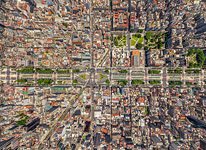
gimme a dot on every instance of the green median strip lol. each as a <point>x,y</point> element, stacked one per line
<point>75,70</point>
<point>44,81</point>
<point>63,71</point>
<point>44,71</point>
<point>26,70</point>
<point>123,71</point>
<point>122,82</point>
<point>175,83</point>
<point>154,71</point>
<point>175,71</point>
<point>21,80</point>
<point>137,82</point>
<point>154,82</point>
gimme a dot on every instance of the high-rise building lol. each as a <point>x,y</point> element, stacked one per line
<point>202,144</point>
<point>32,125</point>
<point>11,143</point>
<point>201,25</point>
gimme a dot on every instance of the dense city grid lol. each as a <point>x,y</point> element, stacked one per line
<point>103,74</point>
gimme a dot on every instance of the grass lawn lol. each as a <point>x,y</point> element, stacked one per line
<point>175,71</point>
<point>192,71</point>
<point>189,83</point>
<point>120,41</point>
<point>22,81</point>
<point>154,39</point>
<point>23,120</point>
<point>192,58</point>
<point>133,42</point>
<point>63,71</point>
<point>74,81</point>
<point>154,71</point>
<point>196,58</point>
<point>102,76</point>
<point>141,40</point>
<point>75,70</point>
<point>175,83</point>
<point>122,82</point>
<point>137,82</point>
<point>44,81</point>
<point>123,71</point>
<point>154,82</point>
<point>83,76</point>
<point>26,70</point>
<point>137,40</point>
<point>44,71</point>
<point>107,82</point>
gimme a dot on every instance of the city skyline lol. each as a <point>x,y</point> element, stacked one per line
<point>102,74</point>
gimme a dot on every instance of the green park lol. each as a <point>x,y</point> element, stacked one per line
<point>137,40</point>
<point>154,40</point>
<point>120,41</point>
<point>196,58</point>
